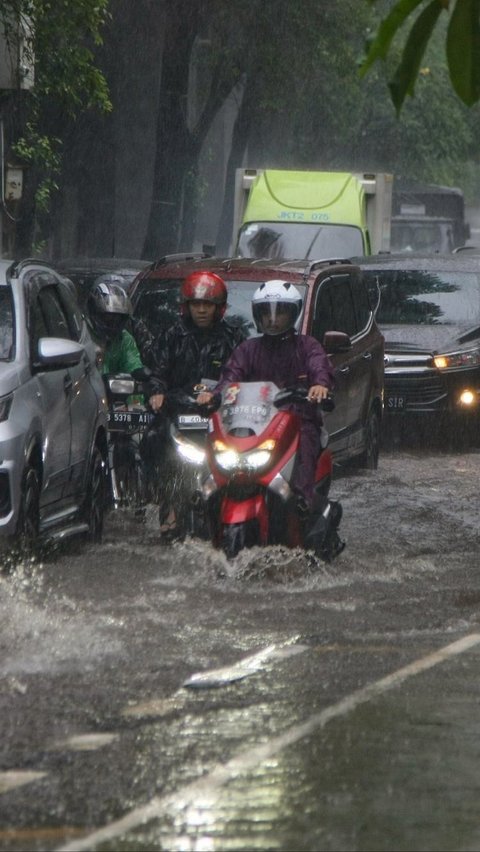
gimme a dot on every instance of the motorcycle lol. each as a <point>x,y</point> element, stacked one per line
<point>128,418</point>
<point>251,448</point>
<point>185,464</point>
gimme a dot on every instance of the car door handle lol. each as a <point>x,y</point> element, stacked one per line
<point>67,383</point>
<point>367,356</point>
<point>344,370</point>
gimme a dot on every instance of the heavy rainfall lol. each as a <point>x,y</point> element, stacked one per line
<point>305,679</point>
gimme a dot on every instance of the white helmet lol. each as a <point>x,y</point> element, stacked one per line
<point>271,296</point>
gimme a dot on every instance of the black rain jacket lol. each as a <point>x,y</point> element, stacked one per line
<point>185,354</point>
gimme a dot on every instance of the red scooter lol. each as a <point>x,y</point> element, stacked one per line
<point>251,448</point>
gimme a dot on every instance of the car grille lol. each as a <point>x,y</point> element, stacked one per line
<point>419,392</point>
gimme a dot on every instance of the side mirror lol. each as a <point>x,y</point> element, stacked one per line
<point>58,353</point>
<point>336,341</point>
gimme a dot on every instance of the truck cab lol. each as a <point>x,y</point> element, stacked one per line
<point>307,214</point>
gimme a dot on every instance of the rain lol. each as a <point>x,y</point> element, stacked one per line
<point>158,695</point>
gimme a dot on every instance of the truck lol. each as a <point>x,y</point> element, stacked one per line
<point>311,214</point>
<point>427,217</point>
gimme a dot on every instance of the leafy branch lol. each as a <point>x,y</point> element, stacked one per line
<point>462,45</point>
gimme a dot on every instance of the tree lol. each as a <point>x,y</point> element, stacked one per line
<point>58,40</point>
<point>180,135</point>
<point>462,45</point>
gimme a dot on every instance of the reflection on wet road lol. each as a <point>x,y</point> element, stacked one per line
<point>366,738</point>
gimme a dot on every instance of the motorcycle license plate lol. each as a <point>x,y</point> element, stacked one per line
<point>129,421</point>
<point>192,421</point>
<point>395,402</point>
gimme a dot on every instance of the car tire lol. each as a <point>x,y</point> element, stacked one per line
<point>96,498</point>
<point>369,458</point>
<point>29,514</point>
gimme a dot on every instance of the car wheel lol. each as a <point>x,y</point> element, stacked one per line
<point>369,457</point>
<point>29,516</point>
<point>96,495</point>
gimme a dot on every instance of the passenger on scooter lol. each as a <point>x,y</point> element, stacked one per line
<point>194,349</point>
<point>288,359</point>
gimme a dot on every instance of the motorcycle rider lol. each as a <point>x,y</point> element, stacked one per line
<point>109,310</point>
<point>194,349</point>
<point>287,358</point>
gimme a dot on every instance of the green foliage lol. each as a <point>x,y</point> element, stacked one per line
<point>463,50</point>
<point>58,41</point>
<point>462,45</point>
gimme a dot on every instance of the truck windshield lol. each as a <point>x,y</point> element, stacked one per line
<point>6,325</point>
<point>422,236</point>
<point>299,240</point>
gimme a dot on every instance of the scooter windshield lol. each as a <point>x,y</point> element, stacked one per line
<point>247,407</point>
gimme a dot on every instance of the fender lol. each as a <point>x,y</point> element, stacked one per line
<point>238,512</point>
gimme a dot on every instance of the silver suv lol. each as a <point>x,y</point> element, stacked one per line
<point>52,410</point>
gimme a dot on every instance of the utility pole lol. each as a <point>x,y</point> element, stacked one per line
<point>16,75</point>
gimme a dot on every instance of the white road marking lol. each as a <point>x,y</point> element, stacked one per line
<point>84,742</point>
<point>17,778</point>
<point>247,666</point>
<point>247,760</point>
<point>155,707</point>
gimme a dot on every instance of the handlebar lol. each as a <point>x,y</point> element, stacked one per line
<point>180,399</point>
<point>300,394</point>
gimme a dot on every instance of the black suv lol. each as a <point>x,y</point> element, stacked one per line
<point>337,311</point>
<point>429,313</point>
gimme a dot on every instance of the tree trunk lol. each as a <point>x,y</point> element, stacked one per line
<point>241,132</point>
<point>172,154</point>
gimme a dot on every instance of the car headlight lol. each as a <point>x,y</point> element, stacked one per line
<point>5,405</point>
<point>229,459</point>
<point>456,360</point>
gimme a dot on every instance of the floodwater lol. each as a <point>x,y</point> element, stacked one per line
<point>162,698</point>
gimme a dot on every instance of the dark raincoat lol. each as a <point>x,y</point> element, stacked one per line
<point>179,359</point>
<point>186,354</point>
<point>287,360</point>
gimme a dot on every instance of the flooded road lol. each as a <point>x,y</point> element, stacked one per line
<point>161,698</point>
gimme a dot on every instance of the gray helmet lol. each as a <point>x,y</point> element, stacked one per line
<point>109,306</point>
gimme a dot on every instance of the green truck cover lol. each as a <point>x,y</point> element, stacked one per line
<point>287,196</point>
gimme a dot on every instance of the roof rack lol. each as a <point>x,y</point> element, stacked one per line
<point>18,265</point>
<point>331,261</point>
<point>180,256</point>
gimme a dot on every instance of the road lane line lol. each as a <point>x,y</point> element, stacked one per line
<point>83,742</point>
<point>17,778</point>
<point>250,758</point>
<point>244,667</point>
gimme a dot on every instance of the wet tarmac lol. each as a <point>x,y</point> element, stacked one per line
<point>161,698</point>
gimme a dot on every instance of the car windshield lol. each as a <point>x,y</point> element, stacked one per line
<point>6,325</point>
<point>422,297</point>
<point>299,240</point>
<point>158,304</point>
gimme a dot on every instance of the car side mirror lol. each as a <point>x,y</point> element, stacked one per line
<point>58,352</point>
<point>336,341</point>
